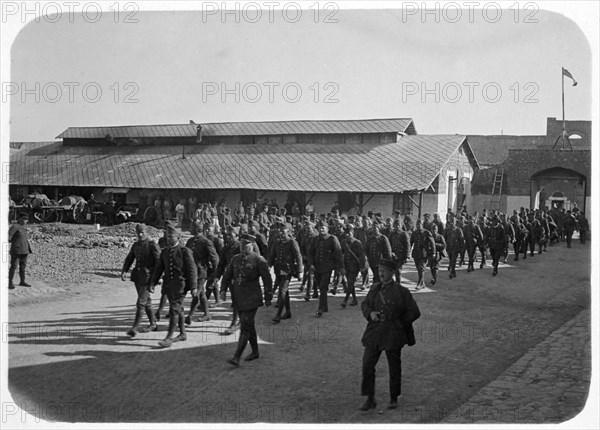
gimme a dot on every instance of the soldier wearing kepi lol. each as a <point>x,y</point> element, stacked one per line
<point>390,311</point>
<point>287,259</point>
<point>177,264</point>
<point>146,253</point>
<point>496,239</point>
<point>434,260</point>
<point>400,244</point>
<point>19,250</point>
<point>324,256</point>
<point>242,277</point>
<point>206,258</point>
<point>354,262</point>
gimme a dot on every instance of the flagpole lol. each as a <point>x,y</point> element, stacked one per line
<point>563,110</point>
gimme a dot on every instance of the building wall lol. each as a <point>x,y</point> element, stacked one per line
<point>582,128</point>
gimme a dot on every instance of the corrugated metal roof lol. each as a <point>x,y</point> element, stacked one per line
<point>412,163</point>
<point>393,125</point>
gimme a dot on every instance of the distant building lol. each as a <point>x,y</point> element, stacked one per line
<point>379,164</point>
<point>534,171</point>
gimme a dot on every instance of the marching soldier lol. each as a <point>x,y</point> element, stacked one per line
<point>308,278</point>
<point>261,240</point>
<point>422,245</point>
<point>460,223</point>
<point>211,283</point>
<point>408,223</point>
<point>177,264</point>
<point>438,222</point>
<point>510,235</point>
<point>436,256</point>
<point>354,262</point>
<point>377,248</point>
<point>206,259</point>
<point>19,250</point>
<point>324,256</point>
<point>569,225</point>
<point>483,245</point>
<point>146,253</point>
<point>584,227</point>
<point>390,311</point>
<point>521,240</point>
<point>400,244</point>
<point>454,243</point>
<point>242,277</point>
<point>473,237</point>
<point>427,222</point>
<point>287,260</point>
<point>496,238</point>
<point>232,248</point>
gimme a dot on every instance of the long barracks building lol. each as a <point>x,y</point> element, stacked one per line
<point>377,164</point>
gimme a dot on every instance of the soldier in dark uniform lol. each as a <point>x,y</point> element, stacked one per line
<point>261,240</point>
<point>242,277</point>
<point>427,222</point>
<point>377,248</point>
<point>408,223</point>
<point>324,256</point>
<point>454,243</point>
<point>569,225</point>
<point>211,283</point>
<point>473,237</point>
<point>521,240</point>
<point>434,259</point>
<point>483,226</point>
<point>390,311</point>
<point>308,278</point>
<point>206,258</point>
<point>422,245</point>
<point>438,222</point>
<point>287,261</point>
<point>496,238</point>
<point>460,223</point>
<point>177,264</point>
<point>584,227</point>
<point>355,261</point>
<point>509,234</point>
<point>19,250</point>
<point>400,244</point>
<point>538,234</point>
<point>146,253</point>
<point>232,248</point>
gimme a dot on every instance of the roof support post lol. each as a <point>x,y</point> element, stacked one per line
<point>420,202</point>
<point>584,196</point>
<point>360,203</point>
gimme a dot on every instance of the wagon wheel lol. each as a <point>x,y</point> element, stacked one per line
<point>78,209</point>
<point>150,215</point>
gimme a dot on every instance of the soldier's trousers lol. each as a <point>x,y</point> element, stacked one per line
<point>452,257</point>
<point>143,304</point>
<point>370,358</point>
<point>283,298</point>
<point>483,252</point>
<point>200,298</point>
<point>211,287</point>
<point>496,254</point>
<point>471,254</point>
<point>434,266</point>
<point>308,280</point>
<point>21,260</point>
<point>322,281</point>
<point>420,265</point>
<point>398,271</point>
<point>517,246</point>
<point>582,236</point>
<point>349,288</point>
<point>247,332</point>
<point>375,270</point>
<point>176,319</point>
<point>461,254</point>
<point>569,235</point>
<point>532,246</point>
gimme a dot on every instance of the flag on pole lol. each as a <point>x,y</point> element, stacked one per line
<point>568,74</point>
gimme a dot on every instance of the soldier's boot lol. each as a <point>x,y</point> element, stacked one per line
<point>254,345</point>
<point>288,309</point>
<point>354,302</point>
<point>152,326</point>
<point>277,316</point>
<point>22,277</point>
<point>345,301</point>
<point>433,276</point>
<point>193,306</point>
<point>182,335</point>
<point>204,306</point>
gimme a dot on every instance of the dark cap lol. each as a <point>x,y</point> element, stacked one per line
<point>390,264</point>
<point>322,223</point>
<point>169,227</point>
<point>247,238</point>
<point>349,229</point>
<point>141,227</point>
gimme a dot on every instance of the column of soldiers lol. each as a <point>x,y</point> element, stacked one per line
<point>324,252</point>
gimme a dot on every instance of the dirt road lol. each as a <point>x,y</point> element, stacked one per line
<point>70,360</point>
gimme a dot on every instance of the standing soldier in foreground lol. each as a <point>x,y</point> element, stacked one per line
<point>146,253</point>
<point>390,311</point>
<point>354,262</point>
<point>287,259</point>
<point>324,256</point>
<point>19,250</point>
<point>242,276</point>
<point>496,239</point>
<point>180,276</point>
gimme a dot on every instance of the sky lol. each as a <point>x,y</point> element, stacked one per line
<point>480,72</point>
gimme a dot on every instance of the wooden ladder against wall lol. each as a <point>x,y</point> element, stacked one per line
<point>497,189</point>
